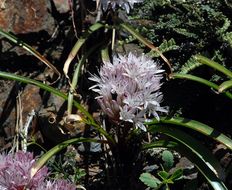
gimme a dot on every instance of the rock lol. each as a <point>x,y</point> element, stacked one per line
<point>30,99</point>
<point>62,6</point>
<point>25,16</point>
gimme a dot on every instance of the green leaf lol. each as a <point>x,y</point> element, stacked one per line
<point>149,180</point>
<point>228,38</point>
<point>177,175</point>
<point>225,27</point>
<point>163,174</point>
<point>76,75</point>
<point>186,33</point>
<point>78,45</point>
<point>44,87</point>
<point>196,126</point>
<point>168,159</point>
<point>161,143</point>
<point>197,153</point>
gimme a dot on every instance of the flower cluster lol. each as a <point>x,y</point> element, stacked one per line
<point>15,174</point>
<point>128,89</point>
<point>125,4</point>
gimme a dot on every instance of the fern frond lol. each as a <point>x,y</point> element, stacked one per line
<point>164,47</point>
<point>227,37</point>
<point>161,3</point>
<point>186,33</point>
<point>190,65</point>
<point>225,27</point>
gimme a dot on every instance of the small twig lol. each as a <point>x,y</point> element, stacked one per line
<point>19,123</point>
<point>54,34</point>
<point>70,2</point>
<point>24,130</point>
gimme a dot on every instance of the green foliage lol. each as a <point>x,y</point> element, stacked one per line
<point>66,167</point>
<point>165,179</point>
<point>190,65</point>
<point>195,26</point>
<point>228,38</point>
<point>186,33</point>
<point>225,27</point>
<point>165,46</point>
<point>168,159</point>
<point>149,180</point>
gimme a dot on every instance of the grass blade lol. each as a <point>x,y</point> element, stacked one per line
<point>76,76</point>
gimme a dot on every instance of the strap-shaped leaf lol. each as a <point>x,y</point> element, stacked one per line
<point>76,75</point>
<point>196,126</point>
<point>199,80</point>
<point>225,86</point>
<point>213,64</point>
<point>30,49</point>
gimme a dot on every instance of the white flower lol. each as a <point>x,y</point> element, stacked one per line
<point>128,89</point>
<point>125,4</point>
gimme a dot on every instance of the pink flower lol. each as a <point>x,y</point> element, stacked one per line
<point>15,172</point>
<point>128,89</point>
